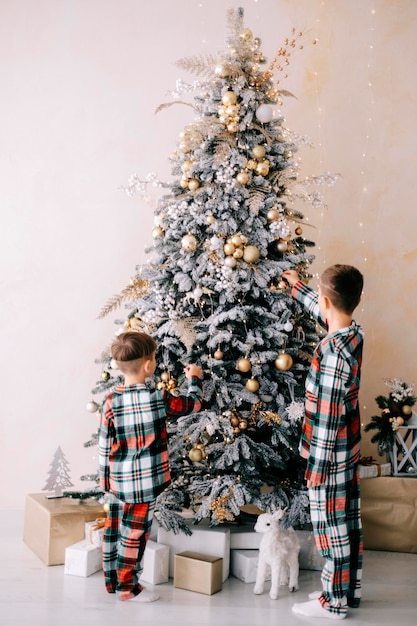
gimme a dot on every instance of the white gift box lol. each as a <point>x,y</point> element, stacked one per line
<point>243,565</point>
<point>155,563</point>
<point>309,558</point>
<point>210,541</point>
<point>375,470</point>
<point>93,534</point>
<point>244,538</point>
<point>82,559</point>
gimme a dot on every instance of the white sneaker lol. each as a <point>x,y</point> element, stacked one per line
<point>315,595</point>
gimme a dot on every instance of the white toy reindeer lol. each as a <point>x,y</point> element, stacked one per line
<point>279,549</point>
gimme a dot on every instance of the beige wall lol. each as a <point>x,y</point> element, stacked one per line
<point>81,80</point>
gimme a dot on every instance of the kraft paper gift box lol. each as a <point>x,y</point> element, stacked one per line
<point>389,514</point>
<point>198,572</point>
<point>155,563</point>
<point>83,559</point>
<point>50,526</point>
<point>212,541</point>
<point>244,563</point>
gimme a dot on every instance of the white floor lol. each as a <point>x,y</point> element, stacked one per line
<point>36,595</point>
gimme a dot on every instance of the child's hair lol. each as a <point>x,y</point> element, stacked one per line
<point>128,350</point>
<point>343,285</point>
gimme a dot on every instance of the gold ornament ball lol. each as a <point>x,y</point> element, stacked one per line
<point>406,410</point>
<point>189,243</point>
<point>229,249</point>
<point>165,376</point>
<point>246,35</point>
<point>186,166</point>
<point>92,407</point>
<point>263,168</point>
<point>233,127</point>
<point>218,355</point>
<point>234,421</point>
<point>298,230</point>
<point>238,253</point>
<point>193,184</point>
<point>242,178</point>
<point>158,231</point>
<point>282,246</point>
<point>258,152</point>
<point>251,164</point>
<point>243,424</point>
<point>282,285</point>
<point>228,98</point>
<point>399,420</point>
<point>236,240</point>
<point>283,362</point>
<point>243,365</point>
<point>195,455</point>
<point>105,376</point>
<point>184,183</point>
<point>251,254</point>
<point>252,385</point>
<point>272,215</point>
<point>106,507</point>
<point>210,219</point>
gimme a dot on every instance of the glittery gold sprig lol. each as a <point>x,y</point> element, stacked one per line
<point>137,288</point>
<point>219,510</point>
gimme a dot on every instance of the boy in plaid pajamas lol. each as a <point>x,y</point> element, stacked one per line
<point>331,439</point>
<point>133,459</point>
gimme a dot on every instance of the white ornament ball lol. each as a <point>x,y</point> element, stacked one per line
<point>258,152</point>
<point>114,365</point>
<point>222,70</point>
<point>230,261</point>
<point>288,326</point>
<point>198,292</point>
<point>92,407</point>
<point>264,113</point>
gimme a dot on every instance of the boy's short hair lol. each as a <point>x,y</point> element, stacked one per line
<point>128,350</point>
<point>343,285</point>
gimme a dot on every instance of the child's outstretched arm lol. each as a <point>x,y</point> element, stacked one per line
<point>304,294</point>
<point>190,403</point>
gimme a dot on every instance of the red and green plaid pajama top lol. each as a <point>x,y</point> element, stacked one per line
<point>134,468</point>
<point>331,445</point>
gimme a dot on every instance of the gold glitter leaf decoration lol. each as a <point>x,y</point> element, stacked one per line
<point>198,65</point>
<point>166,105</point>
<point>137,288</point>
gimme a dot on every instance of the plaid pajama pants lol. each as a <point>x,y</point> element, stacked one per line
<point>336,519</point>
<point>126,533</point>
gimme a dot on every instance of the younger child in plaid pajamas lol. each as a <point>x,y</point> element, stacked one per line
<point>133,459</point>
<point>331,439</point>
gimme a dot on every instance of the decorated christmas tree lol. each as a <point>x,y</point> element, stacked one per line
<point>212,293</point>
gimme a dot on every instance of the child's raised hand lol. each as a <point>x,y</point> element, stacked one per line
<point>291,276</point>
<point>193,370</point>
